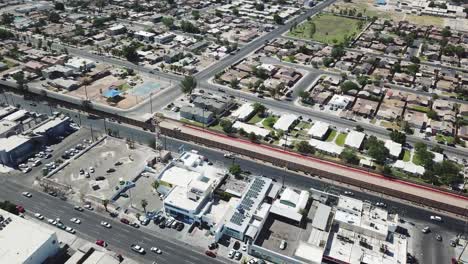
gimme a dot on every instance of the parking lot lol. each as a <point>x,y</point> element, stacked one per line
<point>104,168</point>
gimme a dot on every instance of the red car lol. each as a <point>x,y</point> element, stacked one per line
<point>125,221</point>
<point>101,243</point>
<point>20,209</point>
<point>210,254</point>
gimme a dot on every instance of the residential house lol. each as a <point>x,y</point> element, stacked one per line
<point>340,101</point>
<point>355,139</point>
<point>364,107</point>
<point>416,119</point>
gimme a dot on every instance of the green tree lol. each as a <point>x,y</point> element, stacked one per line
<point>235,11</point>
<point>5,34</point>
<point>188,84</point>
<point>252,136</point>
<point>155,185</point>
<point>59,6</point>
<point>311,29</point>
<point>304,147</point>
<point>234,83</point>
<point>446,32</point>
<point>278,20</point>
<point>432,114</point>
<point>259,108</point>
<point>305,96</point>
<point>359,128</point>
<point>349,156</point>
<point>20,80</point>
<point>376,149</point>
<point>337,51</point>
<point>144,203</point>
<point>398,137</point>
<point>348,86</point>
<point>130,51</point>
<point>168,22</point>
<point>54,17</point>
<point>7,18</point>
<point>196,14</point>
<point>235,170</point>
<point>226,125</point>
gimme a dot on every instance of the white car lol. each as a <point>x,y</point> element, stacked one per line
<point>282,245</point>
<point>91,169</point>
<point>39,216</point>
<point>88,206</point>
<point>26,170</point>
<point>244,247</point>
<point>436,218</point>
<point>70,230</point>
<point>253,261</point>
<point>27,194</point>
<point>52,221</point>
<point>228,156</point>
<point>137,248</point>
<point>426,230</point>
<point>231,253</point>
<point>75,220</point>
<point>238,255</point>
<point>22,166</point>
<point>105,224</point>
<point>156,250</point>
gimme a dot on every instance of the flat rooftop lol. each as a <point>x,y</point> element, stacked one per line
<point>20,238</point>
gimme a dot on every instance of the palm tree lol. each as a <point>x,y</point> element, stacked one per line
<point>105,203</point>
<point>144,203</point>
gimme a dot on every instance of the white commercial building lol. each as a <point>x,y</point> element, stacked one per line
<point>285,122</point>
<point>189,183</point>
<point>354,139</point>
<point>244,112</point>
<point>145,36</point>
<point>319,130</point>
<point>23,241</point>
<point>291,204</point>
<point>393,148</point>
<point>246,220</point>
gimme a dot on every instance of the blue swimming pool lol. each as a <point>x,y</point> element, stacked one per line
<point>145,89</point>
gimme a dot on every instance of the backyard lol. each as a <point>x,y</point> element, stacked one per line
<point>324,28</point>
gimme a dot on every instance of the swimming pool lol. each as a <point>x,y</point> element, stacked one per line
<point>145,88</point>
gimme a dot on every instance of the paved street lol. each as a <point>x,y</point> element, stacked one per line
<point>119,237</point>
<point>431,252</point>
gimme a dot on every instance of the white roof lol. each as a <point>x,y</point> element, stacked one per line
<point>117,27</point>
<point>251,128</point>
<point>354,139</point>
<point>409,167</point>
<point>393,147</point>
<point>11,143</point>
<point>243,112</point>
<point>328,147</point>
<point>77,63</point>
<point>21,239</point>
<point>311,253</point>
<point>16,115</point>
<point>285,121</point>
<point>51,124</point>
<point>438,157</point>
<point>321,216</point>
<point>319,129</point>
<point>339,100</point>
<point>145,34</point>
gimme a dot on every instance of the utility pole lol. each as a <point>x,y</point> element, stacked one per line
<point>151,102</point>
<point>155,122</point>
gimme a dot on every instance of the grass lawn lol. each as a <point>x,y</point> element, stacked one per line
<point>442,138</point>
<point>426,20</point>
<point>416,159</point>
<point>340,139</point>
<point>10,64</point>
<point>331,136</point>
<point>255,119</point>
<point>327,28</point>
<point>269,122</point>
<point>419,108</point>
<point>407,155</point>
<point>192,122</point>
<point>390,125</point>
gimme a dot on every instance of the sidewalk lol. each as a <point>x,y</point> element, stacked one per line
<point>315,163</point>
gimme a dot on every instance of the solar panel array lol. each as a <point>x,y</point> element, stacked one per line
<point>248,200</point>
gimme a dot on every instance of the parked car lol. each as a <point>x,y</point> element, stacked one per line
<point>238,255</point>
<point>110,170</point>
<point>426,230</point>
<point>438,237</point>
<point>100,178</point>
<point>135,225</point>
<point>88,206</point>
<point>78,208</point>
<point>283,245</point>
<point>213,245</point>
<point>180,226</point>
<point>137,248</point>
<point>20,209</point>
<point>39,216</point>
<point>231,253</point>
<point>70,230</point>
<point>124,221</point>
<point>210,254</point>
<point>27,194</point>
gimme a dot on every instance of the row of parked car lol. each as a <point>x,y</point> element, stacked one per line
<point>169,222</point>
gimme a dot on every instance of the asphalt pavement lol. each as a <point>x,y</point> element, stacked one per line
<point>431,252</point>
